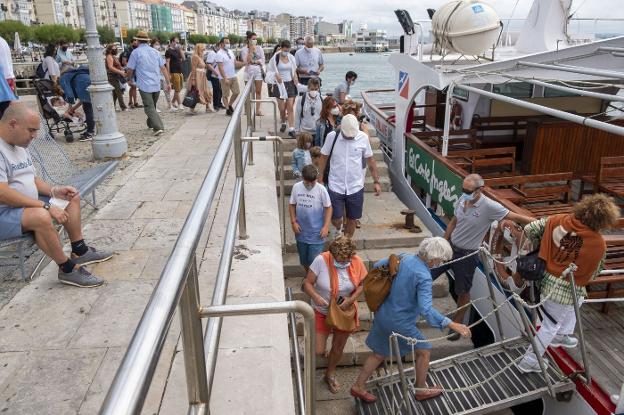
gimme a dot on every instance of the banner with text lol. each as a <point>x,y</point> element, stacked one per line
<point>434,177</point>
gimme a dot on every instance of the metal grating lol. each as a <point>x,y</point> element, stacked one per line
<point>510,388</point>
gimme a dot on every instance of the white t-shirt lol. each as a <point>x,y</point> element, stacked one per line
<point>17,169</point>
<point>285,70</point>
<point>347,173</point>
<point>210,57</point>
<point>227,59</point>
<point>310,208</point>
<point>6,60</point>
<point>258,55</point>
<point>323,284</point>
<point>52,67</point>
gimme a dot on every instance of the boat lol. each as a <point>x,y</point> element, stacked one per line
<point>541,121</point>
<point>371,41</point>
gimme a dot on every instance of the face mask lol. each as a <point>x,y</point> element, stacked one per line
<point>313,94</point>
<point>284,53</point>
<point>64,48</point>
<point>156,46</point>
<point>467,198</point>
<point>299,46</point>
<point>114,51</point>
<point>254,42</point>
<point>342,265</point>
<point>308,186</point>
<point>335,111</point>
<point>227,46</point>
<point>351,83</point>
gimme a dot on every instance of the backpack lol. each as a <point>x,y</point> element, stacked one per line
<point>378,283</point>
<point>40,72</point>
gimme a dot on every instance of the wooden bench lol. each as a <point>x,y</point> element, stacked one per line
<point>540,194</point>
<point>609,179</point>
<point>458,139</point>
<point>516,125</point>
<point>486,161</point>
<point>610,286</point>
<point>54,167</point>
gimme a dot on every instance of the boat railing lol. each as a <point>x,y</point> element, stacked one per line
<point>178,286</point>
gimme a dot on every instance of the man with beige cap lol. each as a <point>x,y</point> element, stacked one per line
<point>348,152</point>
<point>146,64</point>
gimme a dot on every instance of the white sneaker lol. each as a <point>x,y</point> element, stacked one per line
<point>334,233</point>
<point>158,111</point>
<point>525,367</point>
<point>566,341</point>
<point>173,109</point>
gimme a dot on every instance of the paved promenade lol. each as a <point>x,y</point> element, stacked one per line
<point>60,346</point>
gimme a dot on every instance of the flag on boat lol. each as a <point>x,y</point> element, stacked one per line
<point>403,84</point>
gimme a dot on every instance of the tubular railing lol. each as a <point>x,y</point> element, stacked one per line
<point>178,285</point>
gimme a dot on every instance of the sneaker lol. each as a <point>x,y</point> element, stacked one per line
<point>453,336</point>
<point>291,133</point>
<point>79,277</point>
<point>283,127</point>
<point>173,109</point>
<point>85,137</point>
<point>92,256</point>
<point>228,112</point>
<point>158,111</point>
<point>525,367</point>
<point>158,132</point>
<point>566,341</point>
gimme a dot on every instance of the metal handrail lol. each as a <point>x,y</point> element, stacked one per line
<point>297,363</point>
<point>178,284</point>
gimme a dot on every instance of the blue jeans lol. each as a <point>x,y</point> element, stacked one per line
<point>307,252</point>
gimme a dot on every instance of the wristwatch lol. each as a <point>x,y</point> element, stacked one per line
<point>46,206</point>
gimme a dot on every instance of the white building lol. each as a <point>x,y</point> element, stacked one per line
<point>20,10</point>
<point>64,12</point>
<point>371,40</point>
<point>133,14</point>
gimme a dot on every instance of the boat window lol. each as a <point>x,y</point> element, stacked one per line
<point>553,93</point>
<point>514,90</point>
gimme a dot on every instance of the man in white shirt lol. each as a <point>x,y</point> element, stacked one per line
<point>227,64</point>
<point>309,61</point>
<point>7,63</point>
<point>212,72</point>
<point>348,153</point>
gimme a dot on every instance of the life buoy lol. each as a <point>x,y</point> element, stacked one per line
<point>456,115</point>
<point>506,241</point>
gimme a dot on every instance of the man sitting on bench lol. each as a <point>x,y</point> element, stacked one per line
<point>25,202</point>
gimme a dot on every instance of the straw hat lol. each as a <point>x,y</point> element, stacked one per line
<point>142,35</point>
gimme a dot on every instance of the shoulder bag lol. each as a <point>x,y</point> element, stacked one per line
<point>530,266</point>
<point>328,164</point>
<point>337,317</point>
<point>190,100</point>
<point>378,283</point>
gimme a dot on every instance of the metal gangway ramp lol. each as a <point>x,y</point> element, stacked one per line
<point>478,381</point>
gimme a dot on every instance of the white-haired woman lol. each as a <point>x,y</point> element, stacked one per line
<point>409,298</point>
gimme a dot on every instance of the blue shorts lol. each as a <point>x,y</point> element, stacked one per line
<point>307,252</point>
<point>11,222</point>
<point>352,204</point>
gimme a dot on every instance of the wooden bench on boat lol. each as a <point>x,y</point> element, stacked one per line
<point>609,179</point>
<point>610,286</point>
<point>516,125</point>
<point>458,139</point>
<point>486,161</point>
<point>540,194</point>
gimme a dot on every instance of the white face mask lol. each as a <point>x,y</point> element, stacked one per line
<point>254,42</point>
<point>335,111</point>
<point>227,46</point>
<point>313,94</point>
<point>284,53</point>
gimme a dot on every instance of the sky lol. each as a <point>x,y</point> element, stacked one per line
<point>379,14</point>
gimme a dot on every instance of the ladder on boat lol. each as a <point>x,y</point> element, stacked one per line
<point>475,367</point>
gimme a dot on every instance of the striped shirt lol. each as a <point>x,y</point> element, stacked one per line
<point>558,289</point>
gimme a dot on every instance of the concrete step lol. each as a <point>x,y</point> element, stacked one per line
<point>377,154</point>
<point>445,305</point>
<point>439,291</point>
<point>382,169</point>
<point>356,351</point>
<point>369,185</point>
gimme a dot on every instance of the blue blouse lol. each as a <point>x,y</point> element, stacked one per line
<point>6,94</point>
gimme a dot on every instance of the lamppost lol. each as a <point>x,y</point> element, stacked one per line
<point>109,142</point>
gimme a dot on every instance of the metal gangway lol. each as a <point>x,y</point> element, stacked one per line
<point>482,380</point>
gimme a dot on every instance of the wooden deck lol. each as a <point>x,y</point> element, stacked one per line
<point>604,337</point>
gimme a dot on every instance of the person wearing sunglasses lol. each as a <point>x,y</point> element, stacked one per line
<point>474,213</point>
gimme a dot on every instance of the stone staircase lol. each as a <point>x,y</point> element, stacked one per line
<point>381,234</point>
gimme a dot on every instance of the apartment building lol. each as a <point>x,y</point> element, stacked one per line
<point>20,10</point>
<point>63,12</point>
<point>133,14</point>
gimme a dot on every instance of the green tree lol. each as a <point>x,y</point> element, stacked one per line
<point>235,39</point>
<point>271,41</point>
<point>131,34</point>
<point>195,39</point>
<point>213,40</point>
<point>53,33</point>
<point>9,27</point>
<point>107,34</point>
<point>260,41</point>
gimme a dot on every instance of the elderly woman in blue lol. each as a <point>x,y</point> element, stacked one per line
<point>409,298</point>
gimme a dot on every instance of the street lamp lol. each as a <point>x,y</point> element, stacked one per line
<point>109,142</point>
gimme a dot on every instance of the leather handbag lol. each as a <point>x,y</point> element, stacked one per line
<point>378,283</point>
<point>530,266</point>
<point>190,100</point>
<point>338,318</point>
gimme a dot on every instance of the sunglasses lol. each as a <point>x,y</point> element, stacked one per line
<point>469,192</point>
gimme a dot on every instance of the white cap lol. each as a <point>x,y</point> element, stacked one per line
<point>349,126</point>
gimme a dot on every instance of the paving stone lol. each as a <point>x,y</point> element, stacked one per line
<point>118,209</point>
<point>184,190</point>
<point>116,235</point>
<point>123,265</point>
<point>159,234</point>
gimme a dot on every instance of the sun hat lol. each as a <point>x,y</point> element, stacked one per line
<point>142,35</point>
<point>349,126</point>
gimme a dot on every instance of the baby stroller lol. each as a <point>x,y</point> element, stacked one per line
<point>55,122</point>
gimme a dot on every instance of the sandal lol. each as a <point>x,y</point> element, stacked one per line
<point>431,392</point>
<point>366,397</point>
<point>332,383</point>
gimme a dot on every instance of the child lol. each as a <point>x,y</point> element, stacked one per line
<point>308,108</point>
<point>315,154</point>
<point>301,155</point>
<point>310,214</point>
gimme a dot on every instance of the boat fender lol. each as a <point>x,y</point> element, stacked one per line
<point>507,238</point>
<point>456,115</point>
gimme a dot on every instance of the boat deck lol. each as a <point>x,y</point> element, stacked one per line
<point>510,388</point>
<point>604,337</point>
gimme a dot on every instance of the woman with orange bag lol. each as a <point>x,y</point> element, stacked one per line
<point>334,282</point>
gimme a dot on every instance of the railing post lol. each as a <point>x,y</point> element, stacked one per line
<point>579,321</point>
<point>238,158</point>
<point>404,386</point>
<point>192,338</point>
